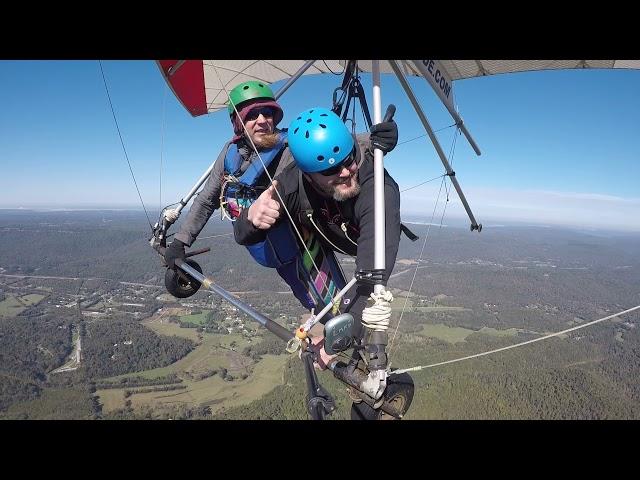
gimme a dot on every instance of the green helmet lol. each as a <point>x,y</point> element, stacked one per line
<point>248,91</point>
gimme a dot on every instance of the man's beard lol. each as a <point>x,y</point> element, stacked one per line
<point>339,195</point>
<point>267,141</point>
<point>342,195</point>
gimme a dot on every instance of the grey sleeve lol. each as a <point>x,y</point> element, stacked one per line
<point>205,203</point>
<point>285,160</point>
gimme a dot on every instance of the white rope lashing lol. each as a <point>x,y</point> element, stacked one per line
<point>376,317</point>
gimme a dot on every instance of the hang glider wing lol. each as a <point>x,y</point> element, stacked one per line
<point>202,85</point>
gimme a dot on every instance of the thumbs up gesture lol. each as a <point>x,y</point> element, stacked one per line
<point>264,212</point>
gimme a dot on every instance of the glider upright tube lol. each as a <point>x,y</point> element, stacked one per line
<point>378,181</point>
<point>187,197</point>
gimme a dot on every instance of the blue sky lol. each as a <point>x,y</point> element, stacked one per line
<point>558,147</point>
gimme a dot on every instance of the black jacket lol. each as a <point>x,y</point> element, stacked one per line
<point>356,213</point>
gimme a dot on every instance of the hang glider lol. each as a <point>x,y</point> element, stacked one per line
<point>202,86</point>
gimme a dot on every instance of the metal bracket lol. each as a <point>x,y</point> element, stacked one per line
<point>371,277</point>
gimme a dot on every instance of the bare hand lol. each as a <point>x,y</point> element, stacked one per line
<point>264,212</point>
<point>323,359</point>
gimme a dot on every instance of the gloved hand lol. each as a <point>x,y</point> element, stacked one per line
<point>174,251</point>
<point>384,135</point>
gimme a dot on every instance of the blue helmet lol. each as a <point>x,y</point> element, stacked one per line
<point>319,140</point>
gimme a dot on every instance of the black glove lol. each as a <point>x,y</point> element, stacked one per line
<point>174,251</point>
<point>384,135</point>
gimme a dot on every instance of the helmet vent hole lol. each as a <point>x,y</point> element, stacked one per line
<point>296,130</point>
<point>336,149</point>
<point>246,87</point>
<point>323,114</point>
<point>310,111</point>
<point>323,126</point>
<point>306,135</point>
<point>299,118</point>
<point>308,120</point>
<point>320,158</point>
<point>261,85</point>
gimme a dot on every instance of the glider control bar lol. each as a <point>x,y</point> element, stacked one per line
<point>269,324</point>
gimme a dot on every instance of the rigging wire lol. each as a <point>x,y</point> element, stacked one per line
<point>468,357</point>
<point>420,136</point>
<point>443,183</point>
<point>415,273</point>
<point>122,143</point>
<point>413,369</point>
<point>420,184</point>
<point>434,178</point>
<point>162,125</point>
<point>353,116</point>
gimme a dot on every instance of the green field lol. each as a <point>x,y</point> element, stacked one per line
<point>111,399</point>
<point>446,333</point>
<point>13,305</point>
<point>10,307</point>
<point>55,404</point>
<point>214,351</point>
<point>31,299</point>
<point>509,332</point>
<point>459,334</point>
<point>414,305</point>
<point>162,326</point>
<point>198,318</point>
<point>212,391</point>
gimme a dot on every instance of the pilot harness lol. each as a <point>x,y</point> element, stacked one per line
<point>314,288</point>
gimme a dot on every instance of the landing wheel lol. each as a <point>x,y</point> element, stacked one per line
<point>399,394</point>
<point>178,286</point>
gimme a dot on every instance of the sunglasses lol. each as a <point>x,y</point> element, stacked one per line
<point>338,168</point>
<point>253,114</point>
